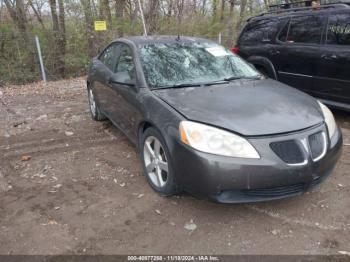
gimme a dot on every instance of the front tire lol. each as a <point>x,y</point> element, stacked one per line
<point>96,114</point>
<point>156,162</point>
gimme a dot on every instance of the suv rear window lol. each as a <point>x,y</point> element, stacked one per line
<point>259,31</point>
<point>305,29</point>
<point>338,32</point>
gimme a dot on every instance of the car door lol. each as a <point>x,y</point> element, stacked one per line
<point>257,38</point>
<point>125,92</point>
<point>333,75</point>
<point>297,52</point>
<point>102,70</point>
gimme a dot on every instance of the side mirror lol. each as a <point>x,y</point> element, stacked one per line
<point>122,78</point>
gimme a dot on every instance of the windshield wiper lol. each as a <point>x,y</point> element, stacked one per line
<point>222,81</point>
<point>241,77</point>
<point>176,86</point>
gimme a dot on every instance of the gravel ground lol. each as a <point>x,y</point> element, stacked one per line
<point>69,185</point>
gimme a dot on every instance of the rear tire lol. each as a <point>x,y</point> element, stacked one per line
<point>156,163</point>
<point>96,114</point>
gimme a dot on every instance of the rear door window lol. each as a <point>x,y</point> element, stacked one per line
<point>259,31</point>
<point>304,29</point>
<point>338,31</point>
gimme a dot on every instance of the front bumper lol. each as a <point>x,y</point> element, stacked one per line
<point>237,180</point>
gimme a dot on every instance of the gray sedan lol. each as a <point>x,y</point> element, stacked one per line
<point>206,122</point>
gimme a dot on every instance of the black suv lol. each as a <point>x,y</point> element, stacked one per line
<point>306,47</point>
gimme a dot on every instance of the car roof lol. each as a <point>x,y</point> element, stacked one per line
<point>300,12</point>
<point>164,39</point>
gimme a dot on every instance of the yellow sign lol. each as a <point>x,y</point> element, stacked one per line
<point>100,26</point>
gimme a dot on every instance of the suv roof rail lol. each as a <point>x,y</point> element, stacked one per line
<point>300,6</point>
<point>288,5</point>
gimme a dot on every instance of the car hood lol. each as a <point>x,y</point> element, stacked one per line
<point>247,107</point>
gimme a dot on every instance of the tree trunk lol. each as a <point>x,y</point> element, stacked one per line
<point>53,7</point>
<point>204,4</point>
<point>222,14</point>
<point>243,6</point>
<point>55,31</point>
<point>180,8</point>
<point>215,10</point>
<point>119,14</point>
<point>230,24</point>
<point>134,13</point>
<point>17,12</point>
<point>62,37</point>
<point>89,23</point>
<point>152,15</point>
<point>105,11</point>
<point>170,8</point>
<point>36,13</point>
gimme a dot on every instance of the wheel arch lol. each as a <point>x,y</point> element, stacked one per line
<point>260,61</point>
<point>143,125</point>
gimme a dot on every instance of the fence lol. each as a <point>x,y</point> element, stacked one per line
<point>19,60</point>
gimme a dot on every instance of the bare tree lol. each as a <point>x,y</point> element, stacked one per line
<point>59,31</point>
<point>230,24</point>
<point>36,13</point>
<point>89,23</point>
<point>119,14</point>
<point>105,11</point>
<point>133,8</point>
<point>242,11</point>
<point>180,8</point>
<point>204,4</point>
<point>151,16</point>
<point>17,12</point>
<point>215,10</point>
<point>61,37</point>
<point>222,14</point>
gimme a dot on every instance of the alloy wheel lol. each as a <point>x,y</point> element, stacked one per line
<point>92,103</point>
<point>155,161</point>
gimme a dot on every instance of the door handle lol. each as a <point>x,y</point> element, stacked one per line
<point>329,57</point>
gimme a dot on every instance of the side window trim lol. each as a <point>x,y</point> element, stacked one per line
<point>327,27</point>
<point>287,23</point>
<point>118,48</point>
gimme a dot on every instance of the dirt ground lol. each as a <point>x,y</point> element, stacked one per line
<point>69,185</point>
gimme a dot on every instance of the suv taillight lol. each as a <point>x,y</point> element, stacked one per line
<point>235,50</point>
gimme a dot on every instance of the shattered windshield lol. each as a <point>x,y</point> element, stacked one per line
<point>191,63</point>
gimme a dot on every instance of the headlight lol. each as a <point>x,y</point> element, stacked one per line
<point>215,141</point>
<point>329,119</point>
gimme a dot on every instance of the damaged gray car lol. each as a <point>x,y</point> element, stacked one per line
<point>206,122</point>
